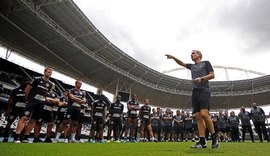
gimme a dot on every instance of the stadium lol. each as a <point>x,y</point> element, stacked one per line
<point>57,33</point>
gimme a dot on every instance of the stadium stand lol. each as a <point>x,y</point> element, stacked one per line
<point>10,72</point>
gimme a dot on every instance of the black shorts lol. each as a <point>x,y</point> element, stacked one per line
<point>145,122</point>
<point>74,113</point>
<point>167,128</point>
<point>190,130</point>
<point>200,100</point>
<point>34,109</point>
<point>195,126</point>
<point>133,116</point>
<point>154,129</point>
<point>15,112</point>
<point>60,117</point>
<point>178,129</point>
<point>98,120</point>
<point>223,130</point>
<point>47,116</point>
<point>81,120</point>
<point>115,124</point>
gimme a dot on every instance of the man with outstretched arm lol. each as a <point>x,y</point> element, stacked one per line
<point>202,72</point>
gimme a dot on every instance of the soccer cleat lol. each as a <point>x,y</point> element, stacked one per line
<point>199,145</point>
<point>25,141</point>
<point>48,140</point>
<point>214,143</point>
<point>134,140</point>
<point>37,140</point>
<point>81,141</point>
<point>73,141</point>
<point>55,141</point>
<point>66,141</point>
<point>17,141</point>
<point>117,141</point>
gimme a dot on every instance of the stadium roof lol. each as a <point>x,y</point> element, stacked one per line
<point>58,34</point>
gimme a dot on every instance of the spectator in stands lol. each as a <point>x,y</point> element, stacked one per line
<point>1,88</point>
<point>245,117</point>
<point>132,119</point>
<point>35,93</point>
<point>1,91</point>
<point>234,126</point>
<point>145,113</point>
<point>17,103</point>
<point>201,72</point>
<point>61,117</point>
<point>76,97</point>
<point>116,114</point>
<point>258,118</point>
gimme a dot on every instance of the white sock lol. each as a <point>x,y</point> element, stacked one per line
<point>72,136</point>
<point>57,135</point>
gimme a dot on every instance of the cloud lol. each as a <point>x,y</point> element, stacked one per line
<point>146,30</point>
<point>249,20</point>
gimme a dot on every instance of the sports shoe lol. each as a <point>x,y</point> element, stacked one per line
<point>73,141</point>
<point>37,140</point>
<point>17,141</point>
<point>66,141</point>
<point>117,141</point>
<point>134,140</point>
<point>81,141</point>
<point>55,141</point>
<point>109,141</point>
<point>25,140</point>
<point>199,145</point>
<point>48,140</point>
<point>214,141</point>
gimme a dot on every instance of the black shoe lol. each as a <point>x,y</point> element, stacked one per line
<point>214,143</point>
<point>214,140</point>
<point>5,140</point>
<point>199,145</point>
<point>49,140</point>
<point>37,140</point>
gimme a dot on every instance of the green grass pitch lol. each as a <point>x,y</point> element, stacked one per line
<point>133,149</point>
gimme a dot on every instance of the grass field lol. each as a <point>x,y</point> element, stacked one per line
<point>133,149</point>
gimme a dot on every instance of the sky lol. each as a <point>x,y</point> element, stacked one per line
<point>228,32</point>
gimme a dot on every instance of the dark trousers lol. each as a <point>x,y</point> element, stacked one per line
<point>235,134</point>
<point>244,128</point>
<point>261,128</point>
